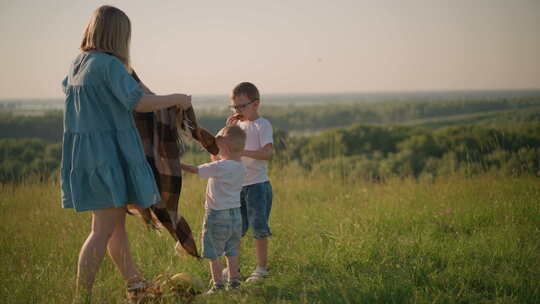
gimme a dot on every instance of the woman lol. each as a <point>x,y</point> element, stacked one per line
<point>103,164</point>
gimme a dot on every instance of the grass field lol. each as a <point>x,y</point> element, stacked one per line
<point>455,240</point>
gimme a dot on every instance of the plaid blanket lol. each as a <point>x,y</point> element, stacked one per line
<point>161,135</point>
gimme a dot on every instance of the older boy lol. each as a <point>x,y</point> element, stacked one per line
<point>222,226</point>
<point>256,196</point>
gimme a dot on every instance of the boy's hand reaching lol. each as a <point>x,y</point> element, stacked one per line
<point>189,168</point>
<point>233,119</point>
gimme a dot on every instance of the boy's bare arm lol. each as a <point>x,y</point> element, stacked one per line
<point>265,153</point>
<point>190,168</point>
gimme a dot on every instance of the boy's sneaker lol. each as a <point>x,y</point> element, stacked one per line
<point>216,287</point>
<point>233,283</point>
<point>257,275</point>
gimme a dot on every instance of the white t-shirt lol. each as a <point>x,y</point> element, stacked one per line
<point>225,178</point>
<point>258,135</point>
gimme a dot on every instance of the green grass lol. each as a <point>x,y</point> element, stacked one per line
<point>455,240</point>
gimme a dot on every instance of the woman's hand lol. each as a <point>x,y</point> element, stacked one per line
<point>184,100</point>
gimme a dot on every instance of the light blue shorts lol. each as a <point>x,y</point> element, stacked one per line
<point>256,201</point>
<point>221,233</point>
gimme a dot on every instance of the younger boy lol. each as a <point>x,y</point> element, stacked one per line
<point>256,196</point>
<point>222,226</point>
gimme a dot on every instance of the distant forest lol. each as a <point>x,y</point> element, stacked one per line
<point>311,118</point>
<point>367,141</point>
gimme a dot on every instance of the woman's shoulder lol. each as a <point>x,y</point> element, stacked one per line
<point>96,57</point>
<point>88,59</point>
<point>95,63</point>
<point>109,58</point>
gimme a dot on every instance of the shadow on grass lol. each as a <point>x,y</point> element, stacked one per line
<point>320,283</point>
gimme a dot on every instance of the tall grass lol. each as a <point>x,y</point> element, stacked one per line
<point>453,240</point>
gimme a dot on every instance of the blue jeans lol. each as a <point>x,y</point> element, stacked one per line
<point>221,233</point>
<point>256,201</point>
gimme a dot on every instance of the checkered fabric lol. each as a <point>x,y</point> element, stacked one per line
<point>161,135</point>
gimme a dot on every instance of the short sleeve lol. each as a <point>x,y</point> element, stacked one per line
<point>65,85</point>
<point>266,134</point>
<point>213,169</point>
<point>123,86</point>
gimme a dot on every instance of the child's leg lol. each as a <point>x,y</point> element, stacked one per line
<point>261,251</point>
<point>118,249</point>
<point>262,199</point>
<point>232,265</point>
<point>232,247</point>
<point>259,205</point>
<point>93,249</point>
<point>215,267</point>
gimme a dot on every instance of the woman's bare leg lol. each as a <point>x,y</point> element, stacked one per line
<point>93,249</point>
<point>118,249</point>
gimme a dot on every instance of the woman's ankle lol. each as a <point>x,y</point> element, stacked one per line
<point>134,280</point>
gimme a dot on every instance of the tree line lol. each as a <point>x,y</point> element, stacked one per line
<point>371,153</point>
<point>298,119</point>
<point>378,152</point>
<point>23,158</point>
<point>378,141</point>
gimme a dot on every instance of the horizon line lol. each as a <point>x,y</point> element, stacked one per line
<point>326,93</point>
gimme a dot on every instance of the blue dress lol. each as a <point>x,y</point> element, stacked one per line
<point>103,163</point>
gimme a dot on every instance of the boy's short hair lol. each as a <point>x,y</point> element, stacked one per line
<point>236,137</point>
<point>247,89</point>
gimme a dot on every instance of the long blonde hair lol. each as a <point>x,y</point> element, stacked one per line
<point>109,30</point>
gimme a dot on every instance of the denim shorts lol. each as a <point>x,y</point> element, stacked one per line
<point>221,233</point>
<point>256,201</point>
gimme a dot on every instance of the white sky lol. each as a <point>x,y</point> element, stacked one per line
<point>201,47</point>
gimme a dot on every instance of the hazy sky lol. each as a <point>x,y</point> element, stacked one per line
<point>202,46</point>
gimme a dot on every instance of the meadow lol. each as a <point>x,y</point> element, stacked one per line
<point>453,239</point>
<point>378,202</point>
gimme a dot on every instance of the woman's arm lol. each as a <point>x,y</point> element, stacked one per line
<point>149,103</point>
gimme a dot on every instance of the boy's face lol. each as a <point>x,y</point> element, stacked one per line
<point>245,108</point>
